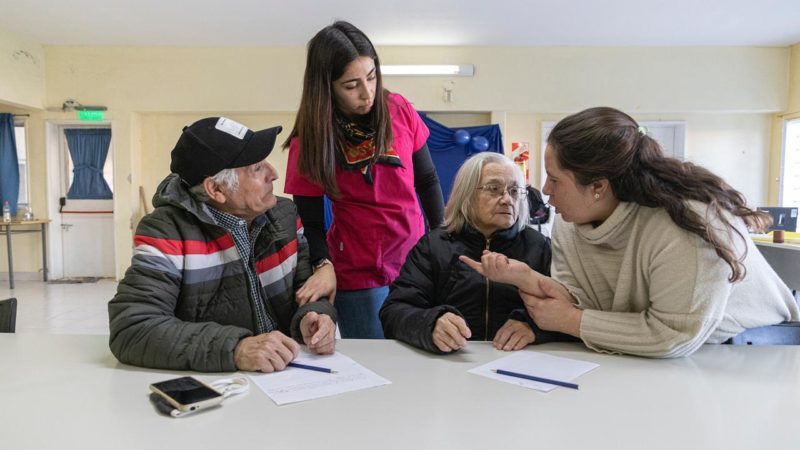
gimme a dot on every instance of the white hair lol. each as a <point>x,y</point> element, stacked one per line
<point>225,177</point>
<point>460,210</point>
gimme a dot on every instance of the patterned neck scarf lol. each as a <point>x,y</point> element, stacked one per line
<point>358,150</point>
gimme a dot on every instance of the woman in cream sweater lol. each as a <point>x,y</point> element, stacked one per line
<point>651,255</point>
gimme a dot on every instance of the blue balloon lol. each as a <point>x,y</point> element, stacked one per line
<point>480,144</point>
<point>461,137</point>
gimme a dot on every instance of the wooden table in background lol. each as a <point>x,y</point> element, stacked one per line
<point>21,227</point>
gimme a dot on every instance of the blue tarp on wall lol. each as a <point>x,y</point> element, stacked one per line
<point>448,155</point>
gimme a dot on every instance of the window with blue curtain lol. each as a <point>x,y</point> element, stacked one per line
<point>450,147</point>
<point>88,148</point>
<point>9,165</point>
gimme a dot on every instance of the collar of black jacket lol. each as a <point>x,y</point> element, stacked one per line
<point>472,235</point>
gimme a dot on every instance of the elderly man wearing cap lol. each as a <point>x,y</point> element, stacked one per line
<point>213,278</point>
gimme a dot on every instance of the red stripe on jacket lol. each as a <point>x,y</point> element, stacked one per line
<point>275,259</point>
<point>179,247</point>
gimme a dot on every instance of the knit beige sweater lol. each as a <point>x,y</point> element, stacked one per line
<point>650,288</point>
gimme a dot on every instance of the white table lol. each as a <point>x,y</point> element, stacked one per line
<point>62,391</point>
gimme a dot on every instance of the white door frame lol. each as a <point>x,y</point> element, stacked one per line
<point>54,163</point>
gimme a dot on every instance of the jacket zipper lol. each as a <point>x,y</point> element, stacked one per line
<point>486,315</point>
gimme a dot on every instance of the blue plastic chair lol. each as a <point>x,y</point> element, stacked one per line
<point>786,333</point>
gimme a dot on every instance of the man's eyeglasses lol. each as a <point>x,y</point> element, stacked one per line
<point>497,190</point>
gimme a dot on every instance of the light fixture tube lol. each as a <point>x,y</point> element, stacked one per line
<point>463,70</point>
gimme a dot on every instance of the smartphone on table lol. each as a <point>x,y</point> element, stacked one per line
<point>187,394</point>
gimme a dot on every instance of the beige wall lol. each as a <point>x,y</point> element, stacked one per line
<point>794,80</point>
<point>568,79</point>
<point>160,131</point>
<point>171,79</point>
<point>516,79</point>
<point>22,68</point>
<point>151,92</point>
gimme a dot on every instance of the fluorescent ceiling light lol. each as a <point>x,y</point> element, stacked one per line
<point>464,70</point>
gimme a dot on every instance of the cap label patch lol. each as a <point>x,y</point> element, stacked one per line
<point>231,127</point>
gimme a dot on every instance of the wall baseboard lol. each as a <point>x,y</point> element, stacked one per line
<point>22,276</point>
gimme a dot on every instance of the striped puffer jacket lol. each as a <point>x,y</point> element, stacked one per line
<point>184,303</point>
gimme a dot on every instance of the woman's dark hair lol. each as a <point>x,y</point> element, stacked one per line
<point>605,143</point>
<point>329,53</point>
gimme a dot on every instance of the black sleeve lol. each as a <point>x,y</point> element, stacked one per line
<point>410,311</point>
<point>541,336</point>
<point>312,214</point>
<point>427,185</point>
<point>547,257</point>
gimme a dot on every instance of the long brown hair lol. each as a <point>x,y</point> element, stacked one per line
<point>329,53</point>
<point>605,143</point>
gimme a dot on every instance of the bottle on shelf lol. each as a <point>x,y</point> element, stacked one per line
<point>28,213</point>
<point>6,212</point>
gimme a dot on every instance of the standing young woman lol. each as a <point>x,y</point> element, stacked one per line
<point>651,255</point>
<point>364,148</point>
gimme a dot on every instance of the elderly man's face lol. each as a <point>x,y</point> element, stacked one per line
<point>254,195</point>
<point>493,212</point>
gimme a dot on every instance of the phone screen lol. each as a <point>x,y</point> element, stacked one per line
<point>186,390</point>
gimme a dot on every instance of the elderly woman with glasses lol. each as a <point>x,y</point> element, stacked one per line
<point>438,303</point>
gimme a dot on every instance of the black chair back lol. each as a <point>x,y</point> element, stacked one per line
<point>8,315</point>
<point>539,210</point>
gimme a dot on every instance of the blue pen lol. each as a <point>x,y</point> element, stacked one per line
<point>534,378</point>
<point>307,367</point>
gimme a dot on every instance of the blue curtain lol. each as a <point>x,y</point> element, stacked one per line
<point>448,155</point>
<point>328,212</point>
<point>88,148</point>
<point>9,164</point>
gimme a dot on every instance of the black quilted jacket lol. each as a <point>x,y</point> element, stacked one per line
<point>433,281</point>
<point>184,303</point>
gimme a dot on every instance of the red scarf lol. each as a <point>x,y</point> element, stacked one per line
<point>358,150</point>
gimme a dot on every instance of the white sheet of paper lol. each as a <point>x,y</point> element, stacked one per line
<point>536,364</point>
<point>296,385</point>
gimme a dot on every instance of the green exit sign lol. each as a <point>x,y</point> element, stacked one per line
<point>91,116</point>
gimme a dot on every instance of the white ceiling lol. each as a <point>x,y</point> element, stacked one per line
<point>406,22</point>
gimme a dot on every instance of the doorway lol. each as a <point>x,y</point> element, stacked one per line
<point>81,235</point>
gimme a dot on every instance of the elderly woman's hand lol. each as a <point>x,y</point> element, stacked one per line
<point>555,310</point>
<point>450,332</point>
<point>513,335</point>
<point>500,268</point>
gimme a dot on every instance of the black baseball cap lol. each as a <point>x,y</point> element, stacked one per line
<point>217,143</point>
